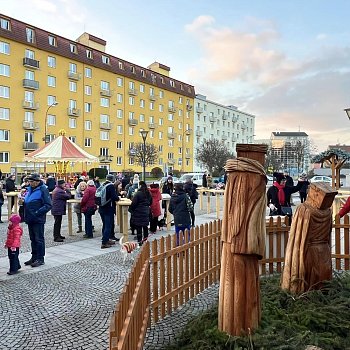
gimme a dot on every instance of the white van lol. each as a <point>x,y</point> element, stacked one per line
<point>196,178</point>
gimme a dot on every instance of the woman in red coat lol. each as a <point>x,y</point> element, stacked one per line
<point>155,207</point>
<point>88,207</point>
<point>345,209</point>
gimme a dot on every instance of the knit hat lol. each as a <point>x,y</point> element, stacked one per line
<point>91,183</point>
<point>15,219</point>
<point>34,177</point>
<point>61,182</point>
<point>110,177</point>
<point>170,178</point>
<point>279,177</point>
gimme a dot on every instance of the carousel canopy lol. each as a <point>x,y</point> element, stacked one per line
<point>60,149</point>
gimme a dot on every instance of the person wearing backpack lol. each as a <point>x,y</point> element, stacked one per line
<point>191,189</point>
<point>106,198</point>
<point>37,203</point>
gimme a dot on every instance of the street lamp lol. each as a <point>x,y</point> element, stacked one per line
<point>144,134</point>
<point>347,110</point>
<point>55,103</point>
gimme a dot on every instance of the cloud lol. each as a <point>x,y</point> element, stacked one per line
<point>199,23</point>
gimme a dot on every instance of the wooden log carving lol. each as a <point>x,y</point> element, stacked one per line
<point>308,254</point>
<point>243,236</point>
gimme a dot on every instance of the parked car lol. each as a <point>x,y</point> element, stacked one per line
<point>163,179</point>
<point>196,178</point>
<point>322,178</point>
<point>269,180</point>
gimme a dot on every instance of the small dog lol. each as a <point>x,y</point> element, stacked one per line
<point>127,248</point>
<point>161,223</point>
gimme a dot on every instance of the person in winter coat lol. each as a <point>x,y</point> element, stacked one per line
<point>88,207</point>
<point>304,187</point>
<point>209,181</point>
<point>50,183</point>
<point>156,208</point>
<point>37,203</point>
<point>60,195</point>
<point>140,211</point>
<point>204,180</point>
<point>13,243</point>
<point>278,194</point>
<point>77,206</point>
<point>191,189</point>
<point>180,207</point>
<point>345,208</point>
<point>10,186</point>
<point>108,211</point>
<point>21,196</point>
<point>2,200</point>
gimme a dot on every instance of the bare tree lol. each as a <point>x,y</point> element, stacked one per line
<point>213,154</point>
<point>149,156</point>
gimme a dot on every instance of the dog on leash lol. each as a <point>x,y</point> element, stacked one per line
<point>127,248</point>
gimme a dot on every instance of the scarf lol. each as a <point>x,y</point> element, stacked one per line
<point>281,196</point>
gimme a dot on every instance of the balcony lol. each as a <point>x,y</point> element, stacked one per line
<point>152,97</point>
<point>30,146</point>
<point>133,92</point>
<point>106,93</point>
<point>105,159</point>
<point>106,126</point>
<point>188,132</point>
<point>30,105</point>
<point>171,161</point>
<point>73,112</point>
<point>234,119</point>
<point>188,156</point>
<point>223,137</point>
<point>172,109</point>
<point>74,75</point>
<point>199,133</point>
<point>30,125</point>
<point>152,125</point>
<point>212,119</point>
<point>244,127</point>
<point>30,84</point>
<point>133,122</point>
<point>199,110</point>
<point>189,107</point>
<point>234,138</point>
<point>171,135</point>
<point>30,62</point>
<point>224,116</point>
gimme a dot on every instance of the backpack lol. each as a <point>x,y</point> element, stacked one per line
<point>189,203</point>
<point>100,195</point>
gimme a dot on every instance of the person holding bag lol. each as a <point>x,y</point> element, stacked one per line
<point>88,207</point>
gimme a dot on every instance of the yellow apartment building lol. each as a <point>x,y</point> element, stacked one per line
<point>49,83</point>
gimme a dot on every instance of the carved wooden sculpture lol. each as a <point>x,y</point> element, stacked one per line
<point>243,236</point>
<point>308,254</point>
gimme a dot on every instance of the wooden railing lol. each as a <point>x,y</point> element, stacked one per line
<point>166,279</point>
<point>131,318</point>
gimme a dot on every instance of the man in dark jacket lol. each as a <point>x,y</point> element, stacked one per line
<point>10,186</point>
<point>50,183</point>
<point>190,189</point>
<point>37,203</point>
<point>108,211</point>
<point>60,195</point>
<point>180,207</point>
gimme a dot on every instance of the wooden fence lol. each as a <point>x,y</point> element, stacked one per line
<point>166,279</point>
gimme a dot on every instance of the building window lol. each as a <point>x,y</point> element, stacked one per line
<point>28,137</point>
<point>87,142</point>
<point>30,35</point>
<point>73,48</point>
<point>51,61</point>
<point>161,93</point>
<point>88,72</point>
<point>4,157</point>
<point>131,161</point>
<point>104,118</point>
<point>4,70</point>
<point>29,75</point>
<point>161,108</point>
<point>143,73</point>
<point>4,113</point>
<point>119,81</point>
<point>160,135</point>
<point>142,118</point>
<point>89,54</point>
<point>51,81</point>
<point>119,144</point>
<point>51,119</point>
<point>51,100</point>
<point>131,115</point>
<point>72,123</point>
<point>151,106</point>
<point>119,113</point>
<point>4,135</point>
<point>4,48</point>
<point>180,99</point>
<point>142,103</point>
<point>88,90</point>
<point>72,104</point>
<point>29,54</point>
<point>131,100</point>
<point>160,121</point>
<point>4,91</point>
<point>119,160</point>
<point>52,40</point>
<point>120,65</point>
<point>142,88</point>
<point>88,107</point>
<point>119,129</point>
<point>119,98</point>
<point>104,102</point>
<point>104,85</point>
<point>172,84</point>
<point>5,24</point>
<point>72,86</point>
<point>105,59</point>
<point>170,116</point>
<point>88,124</point>
<point>131,131</point>
<point>73,68</point>
<point>104,135</point>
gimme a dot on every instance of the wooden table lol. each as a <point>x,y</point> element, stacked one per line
<point>12,196</point>
<point>201,191</point>
<point>70,203</point>
<point>123,217</point>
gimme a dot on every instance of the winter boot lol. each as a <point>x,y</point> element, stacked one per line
<point>80,229</point>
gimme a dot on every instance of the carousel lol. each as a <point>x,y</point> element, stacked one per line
<point>61,152</point>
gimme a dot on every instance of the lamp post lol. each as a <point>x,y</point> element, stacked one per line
<point>347,111</point>
<point>144,134</point>
<point>55,103</point>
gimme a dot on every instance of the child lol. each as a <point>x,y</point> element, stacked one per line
<point>13,243</point>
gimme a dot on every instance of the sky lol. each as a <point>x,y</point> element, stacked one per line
<point>287,62</point>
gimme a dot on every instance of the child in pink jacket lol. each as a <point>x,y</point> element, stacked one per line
<point>13,243</point>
